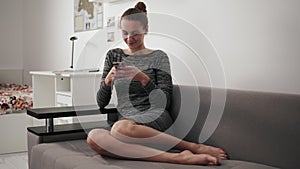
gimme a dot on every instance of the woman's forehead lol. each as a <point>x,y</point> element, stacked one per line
<point>131,25</point>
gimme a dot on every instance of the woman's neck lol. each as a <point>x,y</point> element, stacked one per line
<point>140,51</point>
<point>136,52</point>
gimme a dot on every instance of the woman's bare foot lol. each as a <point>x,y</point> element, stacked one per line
<point>187,157</point>
<point>214,151</point>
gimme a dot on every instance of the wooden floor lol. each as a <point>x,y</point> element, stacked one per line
<point>14,161</point>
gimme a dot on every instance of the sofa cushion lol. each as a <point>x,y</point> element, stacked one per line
<point>261,127</point>
<point>78,155</point>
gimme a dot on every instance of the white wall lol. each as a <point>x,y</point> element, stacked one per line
<point>48,26</point>
<point>257,41</point>
<point>11,34</point>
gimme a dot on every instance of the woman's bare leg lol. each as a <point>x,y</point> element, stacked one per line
<point>100,138</point>
<point>126,129</point>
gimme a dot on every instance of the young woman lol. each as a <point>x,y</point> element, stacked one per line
<point>144,86</point>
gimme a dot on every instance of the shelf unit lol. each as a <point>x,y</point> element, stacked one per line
<point>64,89</point>
<point>63,93</point>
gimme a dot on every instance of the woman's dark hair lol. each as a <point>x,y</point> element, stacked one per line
<point>138,13</point>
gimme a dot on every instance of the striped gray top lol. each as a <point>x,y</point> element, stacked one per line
<point>133,97</point>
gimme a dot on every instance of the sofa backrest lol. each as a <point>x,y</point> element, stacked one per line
<point>255,126</point>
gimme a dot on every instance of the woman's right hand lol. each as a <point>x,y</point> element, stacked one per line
<point>110,76</point>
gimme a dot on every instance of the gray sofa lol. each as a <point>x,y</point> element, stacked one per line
<point>259,130</point>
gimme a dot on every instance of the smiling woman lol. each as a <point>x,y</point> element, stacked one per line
<point>144,88</point>
<point>135,28</point>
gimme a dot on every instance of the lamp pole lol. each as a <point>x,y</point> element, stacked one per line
<point>73,38</point>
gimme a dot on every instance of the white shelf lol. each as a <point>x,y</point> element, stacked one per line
<point>63,99</point>
<point>65,89</point>
<point>42,73</point>
<point>49,87</point>
<point>65,93</point>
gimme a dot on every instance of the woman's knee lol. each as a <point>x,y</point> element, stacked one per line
<point>123,127</point>
<point>97,139</point>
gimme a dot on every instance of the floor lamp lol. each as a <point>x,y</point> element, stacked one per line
<point>73,38</point>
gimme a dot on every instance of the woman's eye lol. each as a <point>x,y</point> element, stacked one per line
<point>125,33</point>
<point>134,33</point>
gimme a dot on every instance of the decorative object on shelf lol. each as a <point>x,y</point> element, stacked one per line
<point>73,38</point>
<point>87,15</point>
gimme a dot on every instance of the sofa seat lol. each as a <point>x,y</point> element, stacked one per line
<point>258,127</point>
<point>78,155</point>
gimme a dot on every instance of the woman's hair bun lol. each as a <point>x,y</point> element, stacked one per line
<point>141,6</point>
<point>138,13</point>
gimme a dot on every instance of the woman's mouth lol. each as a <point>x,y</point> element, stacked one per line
<point>130,44</point>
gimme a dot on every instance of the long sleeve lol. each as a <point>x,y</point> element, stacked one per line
<point>104,93</point>
<point>163,82</point>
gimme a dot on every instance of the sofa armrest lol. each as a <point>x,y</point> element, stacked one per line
<point>56,112</point>
<point>50,133</point>
<point>64,132</point>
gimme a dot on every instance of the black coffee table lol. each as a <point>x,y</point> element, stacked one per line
<point>56,112</point>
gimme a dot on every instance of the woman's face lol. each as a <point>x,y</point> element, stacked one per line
<point>133,33</point>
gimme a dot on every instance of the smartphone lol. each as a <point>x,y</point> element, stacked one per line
<point>117,65</point>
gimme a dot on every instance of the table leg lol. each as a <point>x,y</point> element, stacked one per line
<point>49,124</point>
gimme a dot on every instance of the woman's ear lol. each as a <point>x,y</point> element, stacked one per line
<point>146,29</point>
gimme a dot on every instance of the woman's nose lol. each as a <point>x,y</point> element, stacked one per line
<point>129,38</point>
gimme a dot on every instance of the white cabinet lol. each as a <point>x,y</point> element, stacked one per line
<point>64,89</point>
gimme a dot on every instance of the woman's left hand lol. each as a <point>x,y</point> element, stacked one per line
<point>132,73</point>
